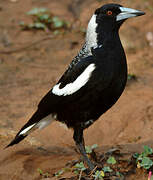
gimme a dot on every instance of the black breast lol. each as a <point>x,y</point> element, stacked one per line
<point>102,90</point>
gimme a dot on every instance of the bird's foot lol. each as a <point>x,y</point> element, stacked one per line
<point>92,170</point>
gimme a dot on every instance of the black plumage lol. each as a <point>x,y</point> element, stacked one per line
<point>93,82</point>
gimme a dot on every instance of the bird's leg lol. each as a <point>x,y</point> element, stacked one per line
<point>79,140</point>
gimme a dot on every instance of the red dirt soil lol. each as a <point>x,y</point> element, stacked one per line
<point>26,75</point>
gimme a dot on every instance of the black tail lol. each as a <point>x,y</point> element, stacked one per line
<point>16,140</point>
<point>37,116</point>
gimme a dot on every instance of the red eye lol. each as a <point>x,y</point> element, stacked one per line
<point>109,13</point>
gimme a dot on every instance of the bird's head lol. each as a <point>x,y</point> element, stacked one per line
<point>108,18</point>
<point>115,13</point>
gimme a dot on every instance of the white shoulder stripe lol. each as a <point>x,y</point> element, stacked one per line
<point>76,85</point>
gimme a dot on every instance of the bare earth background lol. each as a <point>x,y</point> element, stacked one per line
<point>26,76</point>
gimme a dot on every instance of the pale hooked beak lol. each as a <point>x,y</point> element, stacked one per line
<point>128,13</point>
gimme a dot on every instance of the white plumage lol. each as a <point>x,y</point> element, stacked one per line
<point>76,85</point>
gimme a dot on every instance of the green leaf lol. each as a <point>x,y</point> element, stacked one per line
<point>80,166</point>
<point>21,23</point>
<point>98,175</point>
<point>56,32</point>
<point>90,148</point>
<point>38,25</point>
<point>57,23</point>
<point>94,146</point>
<point>37,11</point>
<point>146,163</point>
<point>136,155</point>
<point>111,160</point>
<point>59,173</point>
<point>44,17</point>
<point>76,172</point>
<point>107,169</point>
<point>119,174</point>
<point>147,150</point>
<point>40,171</point>
<point>131,76</point>
<point>140,157</point>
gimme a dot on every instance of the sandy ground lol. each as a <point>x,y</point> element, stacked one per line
<point>26,75</point>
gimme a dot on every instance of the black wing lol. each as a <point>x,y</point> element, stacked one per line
<point>51,101</point>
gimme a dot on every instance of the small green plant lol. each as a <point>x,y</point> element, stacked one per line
<point>98,175</point>
<point>57,22</point>
<point>142,159</point>
<point>62,171</point>
<point>119,174</point>
<point>79,167</point>
<point>111,160</point>
<point>59,173</point>
<point>44,175</point>
<point>43,19</point>
<point>89,149</point>
<point>107,169</point>
<point>131,77</point>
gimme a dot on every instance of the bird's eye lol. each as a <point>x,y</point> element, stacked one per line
<point>109,13</point>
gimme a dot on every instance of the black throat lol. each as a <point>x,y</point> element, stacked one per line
<point>107,31</point>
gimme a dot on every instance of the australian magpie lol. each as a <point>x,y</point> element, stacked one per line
<point>93,82</point>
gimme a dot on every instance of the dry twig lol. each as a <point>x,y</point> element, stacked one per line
<point>27,46</point>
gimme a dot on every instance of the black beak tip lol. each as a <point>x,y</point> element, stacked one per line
<point>141,13</point>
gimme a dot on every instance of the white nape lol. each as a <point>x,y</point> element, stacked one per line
<point>76,85</point>
<point>25,131</point>
<point>91,35</point>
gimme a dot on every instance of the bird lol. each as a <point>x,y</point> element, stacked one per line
<point>92,83</point>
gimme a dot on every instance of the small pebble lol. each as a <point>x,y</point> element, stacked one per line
<point>149,37</point>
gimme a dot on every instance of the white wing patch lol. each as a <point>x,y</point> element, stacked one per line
<point>41,124</point>
<point>26,130</point>
<point>76,85</point>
